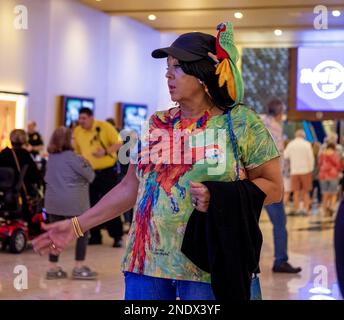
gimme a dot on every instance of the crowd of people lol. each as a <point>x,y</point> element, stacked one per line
<point>313,175</point>
<point>79,168</point>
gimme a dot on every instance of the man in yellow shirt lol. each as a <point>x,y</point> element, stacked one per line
<point>98,142</point>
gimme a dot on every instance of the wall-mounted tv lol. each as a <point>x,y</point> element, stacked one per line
<point>317,83</point>
<point>130,116</point>
<point>71,107</point>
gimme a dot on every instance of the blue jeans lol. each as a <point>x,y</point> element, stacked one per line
<point>141,287</point>
<point>256,292</point>
<point>278,219</point>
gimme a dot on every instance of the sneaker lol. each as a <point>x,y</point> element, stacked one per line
<point>56,273</point>
<point>286,267</point>
<point>84,273</point>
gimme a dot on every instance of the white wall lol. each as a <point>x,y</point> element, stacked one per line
<point>78,56</point>
<point>164,99</point>
<point>133,73</point>
<point>24,55</point>
<point>64,51</point>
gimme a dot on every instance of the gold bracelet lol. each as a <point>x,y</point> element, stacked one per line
<point>77,228</point>
<point>74,228</point>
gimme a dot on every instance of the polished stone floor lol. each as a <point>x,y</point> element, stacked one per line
<point>310,246</point>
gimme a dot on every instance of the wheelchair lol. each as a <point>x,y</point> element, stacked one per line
<point>20,215</point>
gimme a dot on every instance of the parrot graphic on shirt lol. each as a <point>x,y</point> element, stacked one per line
<point>162,177</point>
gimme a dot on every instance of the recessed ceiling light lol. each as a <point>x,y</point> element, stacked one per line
<point>336,13</point>
<point>152,17</point>
<point>98,0</point>
<point>278,32</point>
<point>238,15</point>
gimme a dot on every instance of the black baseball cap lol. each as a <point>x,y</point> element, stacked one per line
<point>189,47</point>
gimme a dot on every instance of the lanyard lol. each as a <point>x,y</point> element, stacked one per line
<point>233,140</point>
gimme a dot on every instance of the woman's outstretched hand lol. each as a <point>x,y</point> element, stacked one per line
<point>57,236</point>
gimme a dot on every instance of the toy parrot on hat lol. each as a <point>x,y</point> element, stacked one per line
<point>228,55</point>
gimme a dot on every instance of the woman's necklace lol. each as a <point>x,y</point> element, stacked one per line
<point>190,124</point>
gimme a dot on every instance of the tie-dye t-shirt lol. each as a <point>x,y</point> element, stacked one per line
<point>164,202</point>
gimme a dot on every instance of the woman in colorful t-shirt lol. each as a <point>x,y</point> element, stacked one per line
<point>210,135</point>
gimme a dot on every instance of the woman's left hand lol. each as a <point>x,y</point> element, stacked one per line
<point>200,196</point>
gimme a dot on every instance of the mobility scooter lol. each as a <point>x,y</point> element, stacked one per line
<point>20,214</point>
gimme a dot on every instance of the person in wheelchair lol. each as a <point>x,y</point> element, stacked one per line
<point>18,158</point>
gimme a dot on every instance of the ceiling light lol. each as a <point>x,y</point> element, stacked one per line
<point>238,15</point>
<point>278,32</point>
<point>98,0</point>
<point>336,13</point>
<point>152,17</point>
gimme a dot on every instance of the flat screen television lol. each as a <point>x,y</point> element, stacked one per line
<point>71,107</point>
<point>131,116</point>
<point>317,83</point>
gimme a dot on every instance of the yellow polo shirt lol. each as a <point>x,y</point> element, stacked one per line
<point>88,141</point>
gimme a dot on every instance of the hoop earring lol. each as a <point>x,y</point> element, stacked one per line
<point>204,86</point>
<point>206,90</point>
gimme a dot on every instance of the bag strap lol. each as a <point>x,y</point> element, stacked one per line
<point>19,170</point>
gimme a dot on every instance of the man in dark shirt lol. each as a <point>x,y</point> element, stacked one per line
<point>35,140</point>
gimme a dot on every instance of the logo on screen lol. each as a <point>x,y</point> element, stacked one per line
<point>327,79</point>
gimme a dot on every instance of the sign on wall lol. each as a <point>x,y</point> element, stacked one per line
<point>320,79</point>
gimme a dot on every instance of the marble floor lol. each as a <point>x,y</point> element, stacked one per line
<point>310,246</point>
